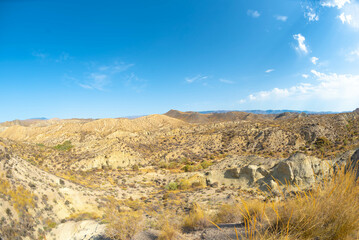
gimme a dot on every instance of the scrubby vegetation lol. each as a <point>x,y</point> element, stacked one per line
<point>65,146</point>
<point>195,219</point>
<point>329,211</point>
<point>21,201</point>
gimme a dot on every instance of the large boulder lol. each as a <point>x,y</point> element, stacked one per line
<point>243,177</point>
<point>299,169</point>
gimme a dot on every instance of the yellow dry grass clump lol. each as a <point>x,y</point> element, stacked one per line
<point>21,198</point>
<point>196,218</point>
<point>329,211</point>
<point>122,225</point>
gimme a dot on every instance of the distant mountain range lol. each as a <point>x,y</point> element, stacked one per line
<point>267,111</point>
<point>38,118</point>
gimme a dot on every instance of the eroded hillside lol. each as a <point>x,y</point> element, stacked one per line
<point>59,178</point>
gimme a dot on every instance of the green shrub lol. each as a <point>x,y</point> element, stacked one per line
<point>205,164</point>
<point>172,186</point>
<point>65,146</point>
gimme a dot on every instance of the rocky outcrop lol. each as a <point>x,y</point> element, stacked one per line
<point>85,230</point>
<point>299,169</point>
<point>352,163</point>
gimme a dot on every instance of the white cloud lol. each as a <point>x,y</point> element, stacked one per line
<point>269,70</point>
<point>301,43</point>
<point>116,67</point>
<point>314,60</point>
<point>281,18</point>
<point>311,15</point>
<point>226,81</point>
<point>345,18</point>
<point>353,55</point>
<point>305,75</point>
<point>337,92</point>
<point>349,11</point>
<point>350,14</point>
<point>335,3</point>
<point>96,81</point>
<point>135,83</point>
<point>195,79</point>
<point>253,13</point>
<point>100,77</point>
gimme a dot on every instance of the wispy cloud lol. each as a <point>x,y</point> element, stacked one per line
<point>117,67</point>
<point>195,78</point>
<point>96,81</point>
<point>39,54</point>
<point>353,55</point>
<point>314,60</point>
<point>350,14</point>
<point>301,43</point>
<point>336,90</point>
<point>335,3</point>
<point>226,81</point>
<point>269,70</point>
<point>311,14</point>
<point>281,18</point>
<point>253,13</point>
<point>101,77</point>
<point>305,75</point>
<point>135,83</point>
<point>349,11</point>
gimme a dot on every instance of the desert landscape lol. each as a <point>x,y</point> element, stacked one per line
<point>179,120</point>
<point>181,175</point>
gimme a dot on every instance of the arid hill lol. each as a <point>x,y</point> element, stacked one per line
<point>60,178</point>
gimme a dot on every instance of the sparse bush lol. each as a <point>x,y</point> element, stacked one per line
<point>65,146</point>
<point>229,213</point>
<point>327,212</point>
<point>196,219</point>
<point>192,168</point>
<point>122,225</point>
<point>172,186</point>
<point>80,216</point>
<point>135,167</point>
<point>205,164</point>
<point>184,184</point>
<point>168,232</point>
<point>330,211</point>
<point>322,142</point>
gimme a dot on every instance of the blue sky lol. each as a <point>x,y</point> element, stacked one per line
<point>95,59</point>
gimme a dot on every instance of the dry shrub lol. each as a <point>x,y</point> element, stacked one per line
<point>169,224</point>
<point>168,232</point>
<point>122,225</point>
<point>330,211</point>
<point>228,213</point>
<point>196,219</point>
<point>21,198</point>
<point>80,216</point>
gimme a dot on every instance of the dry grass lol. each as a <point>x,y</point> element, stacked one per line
<point>330,211</point>
<point>21,198</point>
<point>168,231</point>
<point>122,225</point>
<point>196,219</point>
<point>228,213</point>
